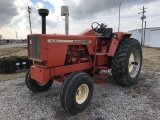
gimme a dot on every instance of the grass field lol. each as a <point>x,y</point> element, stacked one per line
<point>151,59</point>
<point>23,52</point>
<point>8,51</point>
<point>13,51</point>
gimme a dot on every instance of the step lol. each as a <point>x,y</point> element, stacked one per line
<point>80,49</point>
<point>100,53</point>
<point>100,82</point>
<point>100,76</point>
<point>100,79</point>
<point>102,67</point>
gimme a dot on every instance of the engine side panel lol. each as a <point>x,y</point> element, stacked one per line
<point>58,45</point>
<point>56,54</point>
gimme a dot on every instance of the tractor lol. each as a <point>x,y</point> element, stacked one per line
<point>77,61</point>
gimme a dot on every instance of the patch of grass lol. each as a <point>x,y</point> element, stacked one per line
<point>151,58</point>
<point>13,51</point>
<point>23,52</point>
<point>8,51</point>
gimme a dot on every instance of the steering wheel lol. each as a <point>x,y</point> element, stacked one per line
<point>96,27</point>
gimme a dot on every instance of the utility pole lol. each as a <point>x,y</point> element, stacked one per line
<point>142,18</point>
<point>144,32</point>
<point>29,12</point>
<point>119,17</point>
<point>17,40</point>
<point>16,35</point>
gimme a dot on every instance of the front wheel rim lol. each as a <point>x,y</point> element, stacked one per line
<point>41,84</point>
<point>82,93</point>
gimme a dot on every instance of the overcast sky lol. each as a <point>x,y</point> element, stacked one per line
<point>14,15</point>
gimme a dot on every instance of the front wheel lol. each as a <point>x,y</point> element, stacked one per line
<point>76,92</point>
<point>36,86</point>
<point>127,61</point>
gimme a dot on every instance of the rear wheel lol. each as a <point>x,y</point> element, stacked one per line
<point>36,86</point>
<point>127,62</point>
<point>76,92</point>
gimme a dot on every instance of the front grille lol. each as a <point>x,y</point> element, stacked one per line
<point>40,63</point>
<point>35,47</point>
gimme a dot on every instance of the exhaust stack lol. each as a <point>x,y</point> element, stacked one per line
<point>43,13</point>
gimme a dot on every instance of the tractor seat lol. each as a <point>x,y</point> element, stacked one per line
<point>106,35</point>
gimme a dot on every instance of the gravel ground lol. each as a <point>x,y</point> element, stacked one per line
<point>111,102</point>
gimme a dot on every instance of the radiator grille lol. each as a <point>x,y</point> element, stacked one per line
<point>35,47</point>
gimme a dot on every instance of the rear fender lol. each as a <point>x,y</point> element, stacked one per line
<point>115,42</point>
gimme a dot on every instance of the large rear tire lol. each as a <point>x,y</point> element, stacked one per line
<point>127,61</point>
<point>76,92</point>
<point>35,86</point>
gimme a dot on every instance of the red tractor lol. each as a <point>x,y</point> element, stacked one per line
<point>76,59</point>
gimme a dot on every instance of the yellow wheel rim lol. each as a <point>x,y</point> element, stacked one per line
<point>130,65</point>
<point>41,84</point>
<point>82,93</point>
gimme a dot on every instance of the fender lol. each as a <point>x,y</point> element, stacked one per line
<point>115,42</point>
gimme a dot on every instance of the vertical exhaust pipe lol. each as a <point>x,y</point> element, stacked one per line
<point>43,13</point>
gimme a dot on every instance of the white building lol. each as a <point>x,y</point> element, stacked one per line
<point>151,36</point>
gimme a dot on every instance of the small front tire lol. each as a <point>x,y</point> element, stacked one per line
<point>76,92</point>
<point>36,86</point>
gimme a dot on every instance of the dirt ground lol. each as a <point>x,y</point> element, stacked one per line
<point>111,102</point>
<point>4,77</point>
